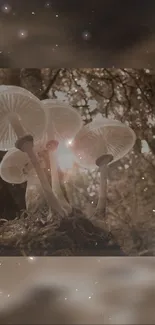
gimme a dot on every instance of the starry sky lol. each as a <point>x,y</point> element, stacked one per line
<point>54,33</point>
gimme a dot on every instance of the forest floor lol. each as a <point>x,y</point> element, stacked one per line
<point>75,235</point>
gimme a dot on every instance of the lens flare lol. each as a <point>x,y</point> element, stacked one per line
<point>64,155</point>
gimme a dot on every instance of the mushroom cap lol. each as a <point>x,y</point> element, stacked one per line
<point>64,119</point>
<point>15,166</point>
<point>27,107</point>
<point>103,137</point>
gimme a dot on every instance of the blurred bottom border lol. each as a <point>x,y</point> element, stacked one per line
<point>77,290</point>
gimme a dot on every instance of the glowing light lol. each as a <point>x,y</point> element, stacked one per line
<point>86,35</point>
<point>31,258</point>
<point>65,157</point>
<point>69,142</point>
<point>6,8</point>
<point>23,33</point>
<point>47,4</point>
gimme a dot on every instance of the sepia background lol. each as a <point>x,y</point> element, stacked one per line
<point>68,33</point>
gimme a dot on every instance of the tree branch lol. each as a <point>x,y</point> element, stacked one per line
<point>44,94</point>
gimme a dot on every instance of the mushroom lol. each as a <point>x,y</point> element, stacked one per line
<point>16,168</point>
<point>101,143</point>
<point>62,124</point>
<point>22,120</point>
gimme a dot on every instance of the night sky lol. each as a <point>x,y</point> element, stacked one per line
<point>77,33</point>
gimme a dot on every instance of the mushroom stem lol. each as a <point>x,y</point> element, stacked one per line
<point>34,196</point>
<point>25,144</point>
<point>101,205</point>
<point>103,162</point>
<point>54,171</point>
<point>56,182</point>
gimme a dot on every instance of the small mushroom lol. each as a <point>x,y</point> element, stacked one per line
<point>21,113</point>
<point>101,143</point>
<point>16,168</point>
<point>62,124</point>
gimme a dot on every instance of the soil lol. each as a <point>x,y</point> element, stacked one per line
<point>37,235</point>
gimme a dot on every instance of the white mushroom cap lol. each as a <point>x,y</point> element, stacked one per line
<point>101,138</point>
<point>15,167</point>
<point>26,107</point>
<point>65,120</point>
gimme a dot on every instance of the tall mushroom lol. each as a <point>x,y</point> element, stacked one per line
<point>22,120</point>
<point>16,168</point>
<point>62,124</point>
<point>101,143</point>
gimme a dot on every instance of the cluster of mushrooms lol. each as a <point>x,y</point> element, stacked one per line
<point>30,127</point>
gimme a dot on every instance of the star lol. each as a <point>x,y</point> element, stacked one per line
<point>48,4</point>
<point>86,35</point>
<point>6,8</point>
<point>23,33</point>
